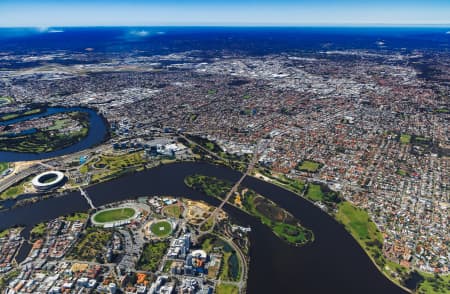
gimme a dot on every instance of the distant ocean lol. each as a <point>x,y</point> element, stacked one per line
<point>264,40</point>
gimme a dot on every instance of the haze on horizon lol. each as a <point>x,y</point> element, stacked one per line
<point>47,13</point>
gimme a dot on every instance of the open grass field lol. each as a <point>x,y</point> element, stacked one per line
<point>3,166</point>
<point>111,166</point>
<point>9,116</point>
<point>296,185</point>
<point>361,227</point>
<point>358,222</point>
<point>402,172</point>
<point>161,228</point>
<point>120,161</point>
<point>314,192</point>
<point>320,192</point>
<point>405,138</point>
<point>59,124</point>
<point>227,289</point>
<point>208,185</point>
<point>15,190</point>
<point>173,211</point>
<point>113,215</point>
<point>309,166</point>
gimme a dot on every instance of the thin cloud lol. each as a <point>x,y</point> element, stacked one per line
<point>141,33</point>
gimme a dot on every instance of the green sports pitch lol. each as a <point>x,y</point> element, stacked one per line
<point>161,228</point>
<point>113,215</point>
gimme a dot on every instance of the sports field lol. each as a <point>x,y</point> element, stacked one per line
<point>113,215</point>
<point>161,228</point>
<point>309,166</point>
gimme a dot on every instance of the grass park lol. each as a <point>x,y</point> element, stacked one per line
<point>230,268</point>
<point>16,190</point>
<point>294,185</point>
<point>314,192</point>
<point>358,223</point>
<point>38,231</point>
<point>405,138</point>
<point>227,289</point>
<point>151,256</point>
<point>308,166</point>
<point>161,228</point>
<point>76,216</point>
<point>402,172</point>
<point>319,192</point>
<point>91,244</point>
<point>173,211</point>
<point>3,166</point>
<point>113,215</point>
<point>111,166</point>
<point>434,284</point>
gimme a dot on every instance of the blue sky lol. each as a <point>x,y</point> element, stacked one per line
<point>46,13</point>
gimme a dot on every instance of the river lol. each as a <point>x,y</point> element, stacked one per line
<point>333,263</point>
<point>97,133</point>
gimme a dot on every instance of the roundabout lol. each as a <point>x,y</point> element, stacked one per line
<point>48,180</point>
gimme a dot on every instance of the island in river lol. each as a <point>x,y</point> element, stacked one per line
<point>105,167</point>
<point>281,222</point>
<point>269,255</point>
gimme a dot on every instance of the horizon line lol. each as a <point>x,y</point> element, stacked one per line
<point>261,25</point>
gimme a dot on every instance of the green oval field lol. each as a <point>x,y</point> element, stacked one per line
<point>114,215</point>
<point>161,228</point>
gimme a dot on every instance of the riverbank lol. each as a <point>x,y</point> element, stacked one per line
<point>371,246</point>
<point>52,135</point>
<point>358,223</point>
<point>272,258</point>
<point>85,128</point>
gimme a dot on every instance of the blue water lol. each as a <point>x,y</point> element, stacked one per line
<point>97,133</point>
<point>157,40</point>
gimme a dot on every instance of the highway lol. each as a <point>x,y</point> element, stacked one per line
<point>15,178</point>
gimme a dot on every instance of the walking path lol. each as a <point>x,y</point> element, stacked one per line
<point>85,195</point>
